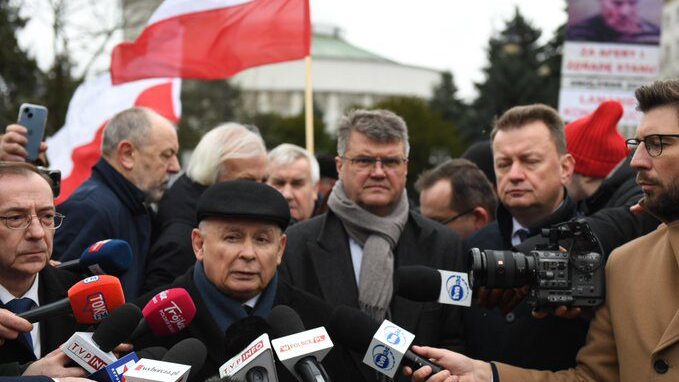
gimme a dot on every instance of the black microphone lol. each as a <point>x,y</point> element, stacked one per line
<point>110,257</point>
<point>355,330</point>
<point>238,340</point>
<point>284,321</point>
<point>417,283</point>
<point>153,352</point>
<point>114,330</point>
<point>189,352</point>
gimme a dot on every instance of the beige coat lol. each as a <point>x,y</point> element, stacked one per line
<point>635,336</point>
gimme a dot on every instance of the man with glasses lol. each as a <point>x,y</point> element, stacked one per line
<point>139,153</point>
<point>633,336</point>
<point>348,255</point>
<point>532,166</point>
<point>28,221</point>
<point>457,194</point>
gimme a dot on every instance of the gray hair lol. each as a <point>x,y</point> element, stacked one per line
<point>286,153</point>
<point>133,124</point>
<point>227,141</point>
<point>378,125</point>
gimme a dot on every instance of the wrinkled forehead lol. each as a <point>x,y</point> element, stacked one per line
<point>22,192</point>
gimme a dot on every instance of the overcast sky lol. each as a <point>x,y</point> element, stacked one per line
<point>439,34</point>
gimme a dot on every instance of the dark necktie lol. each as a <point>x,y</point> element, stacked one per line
<point>248,309</point>
<point>21,305</point>
<point>522,234</point>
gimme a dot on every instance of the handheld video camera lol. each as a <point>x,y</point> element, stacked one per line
<point>572,277</point>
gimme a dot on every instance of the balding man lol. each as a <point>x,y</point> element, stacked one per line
<point>139,153</point>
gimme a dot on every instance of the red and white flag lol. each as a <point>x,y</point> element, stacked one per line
<point>76,147</point>
<point>214,39</point>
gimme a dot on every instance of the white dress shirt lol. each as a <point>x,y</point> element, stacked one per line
<point>32,293</point>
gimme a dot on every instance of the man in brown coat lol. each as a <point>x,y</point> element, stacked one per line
<point>635,334</point>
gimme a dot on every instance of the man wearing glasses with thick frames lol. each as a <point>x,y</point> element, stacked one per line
<point>348,255</point>
<point>28,221</point>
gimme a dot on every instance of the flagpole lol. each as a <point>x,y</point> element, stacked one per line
<point>309,108</point>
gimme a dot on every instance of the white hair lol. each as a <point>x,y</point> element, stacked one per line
<point>227,141</point>
<point>286,153</point>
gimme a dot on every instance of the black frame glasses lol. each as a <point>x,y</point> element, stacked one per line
<point>653,143</point>
<point>453,218</point>
<point>366,162</point>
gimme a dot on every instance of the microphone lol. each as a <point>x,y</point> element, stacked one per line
<point>424,284</point>
<point>387,345</point>
<point>299,350</point>
<point>183,359</point>
<point>153,352</point>
<point>249,351</point>
<point>114,371</point>
<point>92,351</point>
<point>110,257</point>
<point>90,300</point>
<point>167,313</point>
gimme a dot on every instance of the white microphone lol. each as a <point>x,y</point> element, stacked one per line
<point>302,351</point>
<point>254,363</point>
<point>92,351</point>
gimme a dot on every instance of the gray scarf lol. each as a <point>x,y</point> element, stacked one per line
<point>378,236</point>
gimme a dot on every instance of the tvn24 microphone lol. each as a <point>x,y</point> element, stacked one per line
<point>387,346</point>
<point>299,350</point>
<point>106,257</point>
<point>91,300</point>
<point>92,351</point>
<point>423,284</point>
<point>249,351</point>
<point>166,314</point>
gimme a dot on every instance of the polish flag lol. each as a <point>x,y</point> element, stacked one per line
<point>76,147</point>
<point>214,39</point>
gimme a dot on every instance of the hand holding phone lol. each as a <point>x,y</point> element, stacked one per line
<point>33,118</point>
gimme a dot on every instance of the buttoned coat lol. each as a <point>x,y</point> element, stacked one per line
<point>634,336</point>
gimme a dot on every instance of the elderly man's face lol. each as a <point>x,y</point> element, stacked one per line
<point>375,188</point>
<point>659,176</point>
<point>240,256</point>
<point>252,168</point>
<point>157,160</point>
<point>621,15</point>
<point>293,181</point>
<point>24,252</point>
<point>530,173</point>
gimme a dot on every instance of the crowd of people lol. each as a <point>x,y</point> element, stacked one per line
<point>244,230</point>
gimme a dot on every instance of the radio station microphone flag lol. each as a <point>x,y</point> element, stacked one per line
<point>214,39</point>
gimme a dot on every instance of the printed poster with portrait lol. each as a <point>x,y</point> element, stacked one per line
<point>612,47</point>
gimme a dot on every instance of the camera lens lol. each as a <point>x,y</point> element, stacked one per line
<point>29,114</point>
<point>500,269</point>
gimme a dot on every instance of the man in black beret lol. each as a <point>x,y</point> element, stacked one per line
<point>239,243</point>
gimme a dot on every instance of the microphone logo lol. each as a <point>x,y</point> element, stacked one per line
<point>383,357</point>
<point>457,288</point>
<point>91,279</point>
<point>393,334</point>
<point>173,317</point>
<point>97,246</point>
<point>96,304</point>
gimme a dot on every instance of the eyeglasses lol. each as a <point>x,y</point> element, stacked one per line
<point>654,143</point>
<point>49,220</point>
<point>365,162</point>
<point>453,218</point>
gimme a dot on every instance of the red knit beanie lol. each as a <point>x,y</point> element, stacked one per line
<point>594,141</point>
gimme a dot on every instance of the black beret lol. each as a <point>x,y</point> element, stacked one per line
<point>244,199</point>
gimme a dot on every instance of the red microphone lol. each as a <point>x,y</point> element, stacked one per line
<point>166,314</point>
<point>91,300</point>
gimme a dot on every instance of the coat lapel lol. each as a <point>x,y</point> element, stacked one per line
<point>331,259</point>
<point>671,334</point>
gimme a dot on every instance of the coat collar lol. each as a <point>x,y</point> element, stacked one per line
<point>132,197</point>
<point>671,334</point>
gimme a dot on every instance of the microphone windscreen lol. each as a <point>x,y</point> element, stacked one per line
<point>242,332</point>
<point>351,328</point>
<point>418,283</point>
<point>111,257</point>
<point>117,328</point>
<point>94,298</point>
<point>284,321</point>
<point>154,352</point>
<point>190,352</point>
<point>169,312</point>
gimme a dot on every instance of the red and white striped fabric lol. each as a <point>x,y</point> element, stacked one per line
<point>76,147</point>
<point>214,39</point>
